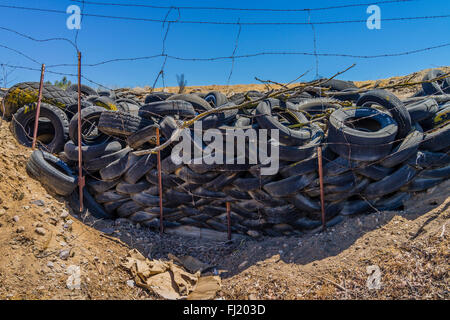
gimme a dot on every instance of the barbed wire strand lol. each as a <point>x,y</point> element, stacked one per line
<point>236,43</point>
<point>257,23</point>
<point>244,9</point>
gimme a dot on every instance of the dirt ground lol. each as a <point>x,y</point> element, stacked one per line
<point>41,237</point>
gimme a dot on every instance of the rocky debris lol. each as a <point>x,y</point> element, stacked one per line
<point>39,203</point>
<point>40,231</point>
<point>16,219</point>
<point>73,282</point>
<point>64,214</point>
<point>64,254</point>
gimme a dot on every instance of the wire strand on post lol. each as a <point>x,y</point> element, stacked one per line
<point>80,156</point>
<point>228,221</point>
<point>322,200</point>
<point>161,217</point>
<point>38,108</point>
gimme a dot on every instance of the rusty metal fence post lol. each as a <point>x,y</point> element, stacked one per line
<point>228,221</point>
<point>322,200</point>
<point>38,108</point>
<point>80,155</point>
<point>161,226</point>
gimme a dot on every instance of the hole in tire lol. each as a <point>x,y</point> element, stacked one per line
<point>363,124</point>
<point>45,133</point>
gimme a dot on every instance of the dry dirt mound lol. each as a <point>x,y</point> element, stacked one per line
<point>42,240</point>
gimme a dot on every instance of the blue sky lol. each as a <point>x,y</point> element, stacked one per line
<point>103,39</point>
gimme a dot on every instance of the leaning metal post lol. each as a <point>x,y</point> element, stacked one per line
<point>38,108</point>
<point>322,200</point>
<point>161,226</point>
<point>80,156</point>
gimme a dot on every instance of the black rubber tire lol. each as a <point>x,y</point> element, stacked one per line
<point>25,93</point>
<point>180,108</point>
<point>52,172</point>
<point>168,125</point>
<point>72,109</point>
<point>392,203</point>
<point>90,118</point>
<point>99,163</point>
<point>249,184</point>
<point>298,153</point>
<point>84,89</point>
<point>318,105</point>
<point>132,108</point>
<point>157,96</point>
<point>405,149</point>
<point>216,98</point>
<point>422,110</point>
<point>350,95</point>
<point>421,184</point>
<point>142,217</point>
<point>373,171</point>
<point>390,183</point>
<point>288,186</point>
<point>144,135</point>
<point>100,186</point>
<point>190,176</point>
<point>106,93</point>
<point>437,139</point>
<point>443,172</point>
<point>114,170</point>
<point>287,135</point>
<point>301,167</point>
<point>128,208</point>
<point>304,203</point>
<point>435,87</point>
<point>121,123</point>
<point>110,196</point>
<point>89,205</point>
<point>140,168</point>
<point>128,188</point>
<point>356,144</point>
<point>339,166</point>
<point>427,159</point>
<point>220,118</point>
<point>110,207</point>
<point>145,199</point>
<point>199,104</point>
<point>22,126</point>
<point>105,102</point>
<point>393,104</point>
<point>356,207</point>
<point>92,151</point>
<point>168,180</point>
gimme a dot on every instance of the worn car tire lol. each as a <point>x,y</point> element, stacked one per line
<point>22,126</point>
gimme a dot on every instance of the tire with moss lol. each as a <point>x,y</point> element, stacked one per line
<point>25,93</point>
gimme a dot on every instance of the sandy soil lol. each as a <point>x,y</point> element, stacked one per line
<point>411,249</point>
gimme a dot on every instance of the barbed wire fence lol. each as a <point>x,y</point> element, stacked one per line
<point>166,24</point>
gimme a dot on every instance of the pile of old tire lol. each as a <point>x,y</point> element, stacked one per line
<point>376,150</point>
<point>57,109</point>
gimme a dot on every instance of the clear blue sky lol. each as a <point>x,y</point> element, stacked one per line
<point>102,39</point>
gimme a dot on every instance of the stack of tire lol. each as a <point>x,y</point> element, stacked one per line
<point>376,151</point>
